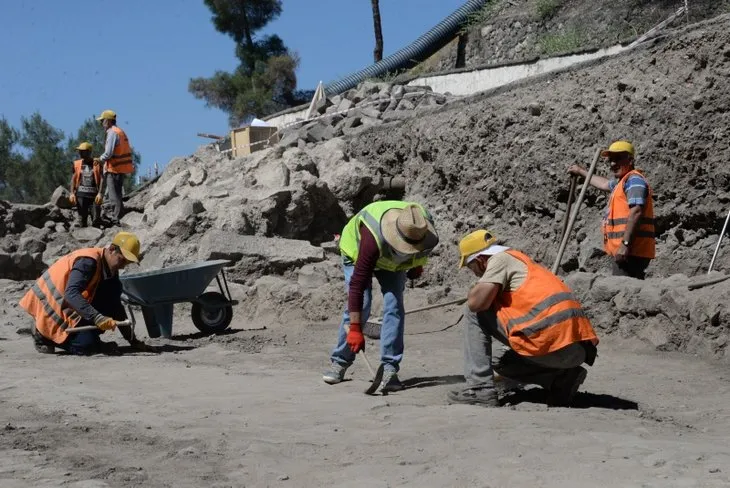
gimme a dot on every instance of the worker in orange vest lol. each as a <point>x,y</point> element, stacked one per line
<point>628,226</point>
<point>82,288</point>
<point>85,184</point>
<point>117,161</point>
<point>531,312</point>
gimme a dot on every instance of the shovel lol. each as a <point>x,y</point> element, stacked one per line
<point>377,376</point>
<point>85,328</point>
<point>374,331</point>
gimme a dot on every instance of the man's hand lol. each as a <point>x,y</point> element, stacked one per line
<point>72,199</point>
<point>414,273</point>
<point>576,170</point>
<point>105,323</point>
<point>98,199</point>
<point>622,254</point>
<point>355,339</point>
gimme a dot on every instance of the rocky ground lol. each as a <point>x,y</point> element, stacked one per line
<point>248,408</point>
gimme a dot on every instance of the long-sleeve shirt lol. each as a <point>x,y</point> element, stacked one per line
<point>111,141</point>
<point>107,300</point>
<point>362,277</point>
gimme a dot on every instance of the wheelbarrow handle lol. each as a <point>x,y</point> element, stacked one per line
<point>86,328</point>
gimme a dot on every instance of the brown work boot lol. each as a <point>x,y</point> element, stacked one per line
<point>565,387</point>
<point>485,397</point>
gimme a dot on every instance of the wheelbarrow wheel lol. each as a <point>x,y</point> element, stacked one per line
<point>212,313</point>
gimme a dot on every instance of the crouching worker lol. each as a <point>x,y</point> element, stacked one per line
<point>531,311</point>
<point>82,288</point>
<point>390,240</point>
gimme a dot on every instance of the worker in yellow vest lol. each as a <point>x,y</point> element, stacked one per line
<point>85,185</point>
<point>529,310</point>
<point>82,288</point>
<point>628,226</point>
<point>117,162</point>
<point>390,240</point>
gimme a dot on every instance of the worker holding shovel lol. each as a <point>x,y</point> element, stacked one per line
<point>79,290</point>
<point>532,312</point>
<point>390,240</point>
<point>628,226</point>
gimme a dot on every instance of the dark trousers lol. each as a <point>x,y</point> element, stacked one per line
<point>634,267</point>
<point>86,206</point>
<point>115,185</point>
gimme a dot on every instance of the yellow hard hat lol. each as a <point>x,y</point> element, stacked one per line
<point>107,115</point>
<point>619,147</point>
<point>84,146</point>
<point>478,240</point>
<point>128,244</point>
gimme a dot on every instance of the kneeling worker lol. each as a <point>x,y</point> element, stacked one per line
<point>82,288</point>
<point>530,310</point>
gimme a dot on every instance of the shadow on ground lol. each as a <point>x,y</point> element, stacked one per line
<point>581,399</point>
<point>428,381</point>
<point>201,335</point>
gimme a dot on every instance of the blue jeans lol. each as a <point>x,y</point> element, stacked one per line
<point>392,285</point>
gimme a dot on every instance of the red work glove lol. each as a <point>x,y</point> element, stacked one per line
<point>355,339</point>
<point>414,273</point>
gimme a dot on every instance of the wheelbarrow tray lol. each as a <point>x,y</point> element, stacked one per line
<point>181,283</point>
<point>157,291</point>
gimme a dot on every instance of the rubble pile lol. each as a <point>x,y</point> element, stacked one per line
<point>370,104</point>
<point>497,160</point>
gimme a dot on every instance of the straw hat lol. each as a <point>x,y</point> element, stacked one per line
<point>407,230</point>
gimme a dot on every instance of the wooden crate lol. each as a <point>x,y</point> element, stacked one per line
<point>242,138</point>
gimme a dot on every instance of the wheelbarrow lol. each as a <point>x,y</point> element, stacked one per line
<point>157,291</point>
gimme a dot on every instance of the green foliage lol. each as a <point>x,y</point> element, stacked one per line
<point>36,159</point>
<point>265,81</point>
<point>561,42</point>
<point>480,17</point>
<point>547,8</point>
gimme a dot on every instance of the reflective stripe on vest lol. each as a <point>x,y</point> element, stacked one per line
<point>87,178</point>
<point>643,241</point>
<point>542,315</point>
<point>121,160</point>
<point>370,217</point>
<point>45,299</point>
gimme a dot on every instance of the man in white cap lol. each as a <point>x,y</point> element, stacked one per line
<point>532,312</point>
<point>390,240</point>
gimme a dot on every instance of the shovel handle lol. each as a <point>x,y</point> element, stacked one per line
<point>86,328</point>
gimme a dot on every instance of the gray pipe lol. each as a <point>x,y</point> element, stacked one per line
<point>417,51</point>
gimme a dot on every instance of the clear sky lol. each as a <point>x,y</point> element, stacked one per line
<point>70,60</point>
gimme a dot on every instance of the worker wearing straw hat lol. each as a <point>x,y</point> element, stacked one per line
<point>390,240</point>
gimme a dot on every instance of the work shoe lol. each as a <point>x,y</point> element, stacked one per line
<point>41,344</point>
<point>485,397</point>
<point>335,374</point>
<point>390,382</point>
<point>565,386</point>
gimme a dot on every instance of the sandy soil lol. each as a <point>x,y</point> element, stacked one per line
<point>249,409</point>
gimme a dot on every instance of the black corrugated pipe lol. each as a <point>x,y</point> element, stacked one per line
<point>417,51</point>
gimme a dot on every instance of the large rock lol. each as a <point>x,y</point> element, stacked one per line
<point>60,199</point>
<point>21,266</point>
<point>255,256</point>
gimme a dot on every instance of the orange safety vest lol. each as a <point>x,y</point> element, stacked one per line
<point>121,160</point>
<point>542,315</point>
<point>78,184</point>
<point>45,299</point>
<point>643,242</point>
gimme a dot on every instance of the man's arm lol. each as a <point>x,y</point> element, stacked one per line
<point>482,295</point>
<point>367,257</point>
<point>82,272</point>
<point>111,142</point>
<point>596,181</point>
